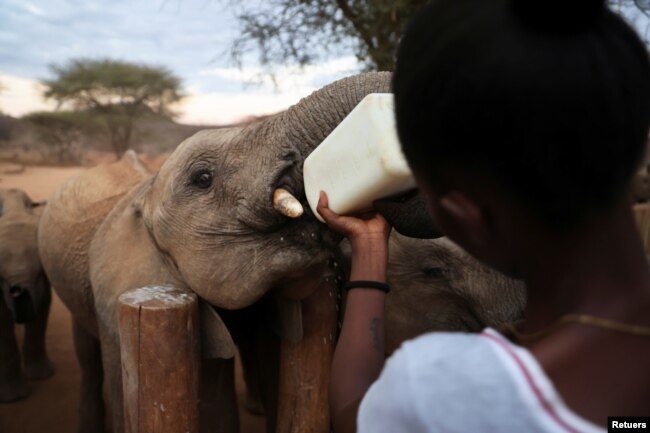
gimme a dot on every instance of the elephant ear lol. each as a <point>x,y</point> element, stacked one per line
<point>216,341</point>
<point>38,207</point>
<point>122,256</point>
<point>27,201</point>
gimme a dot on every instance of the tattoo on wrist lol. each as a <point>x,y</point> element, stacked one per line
<point>375,330</point>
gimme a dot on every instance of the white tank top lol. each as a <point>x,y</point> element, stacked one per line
<point>465,383</point>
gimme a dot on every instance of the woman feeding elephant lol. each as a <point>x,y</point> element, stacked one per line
<point>524,125</point>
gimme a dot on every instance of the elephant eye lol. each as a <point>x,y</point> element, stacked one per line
<point>434,272</point>
<point>202,179</point>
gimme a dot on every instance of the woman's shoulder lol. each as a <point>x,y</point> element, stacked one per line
<point>434,382</point>
<point>458,363</point>
<point>466,382</point>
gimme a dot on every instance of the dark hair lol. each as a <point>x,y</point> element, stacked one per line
<point>554,102</point>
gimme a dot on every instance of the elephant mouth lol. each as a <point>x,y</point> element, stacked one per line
<point>310,234</point>
<point>300,284</point>
<point>289,201</point>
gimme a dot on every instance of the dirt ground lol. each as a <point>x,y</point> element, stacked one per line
<point>52,405</point>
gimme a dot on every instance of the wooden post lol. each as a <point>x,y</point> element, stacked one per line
<point>303,405</point>
<point>159,336</point>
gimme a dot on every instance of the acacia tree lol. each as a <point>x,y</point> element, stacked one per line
<point>114,92</point>
<point>308,31</point>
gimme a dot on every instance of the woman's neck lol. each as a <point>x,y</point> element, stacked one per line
<point>600,269</point>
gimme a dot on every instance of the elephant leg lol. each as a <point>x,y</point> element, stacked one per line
<point>267,345</point>
<point>12,381</point>
<point>218,401</point>
<point>37,365</point>
<point>91,409</point>
<point>248,358</point>
<point>111,362</point>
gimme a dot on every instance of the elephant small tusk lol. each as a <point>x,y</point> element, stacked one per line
<point>285,203</point>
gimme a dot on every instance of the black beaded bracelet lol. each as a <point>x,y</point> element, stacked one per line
<point>367,285</point>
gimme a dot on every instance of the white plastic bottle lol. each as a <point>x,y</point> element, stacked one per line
<point>360,161</point>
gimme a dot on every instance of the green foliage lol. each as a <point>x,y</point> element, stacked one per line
<point>95,84</point>
<point>114,93</point>
<point>307,31</point>
<point>58,117</point>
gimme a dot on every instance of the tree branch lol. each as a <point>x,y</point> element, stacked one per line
<point>353,18</point>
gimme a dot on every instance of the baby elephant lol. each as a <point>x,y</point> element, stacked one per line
<point>25,298</point>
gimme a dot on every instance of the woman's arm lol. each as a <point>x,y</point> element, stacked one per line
<point>359,355</point>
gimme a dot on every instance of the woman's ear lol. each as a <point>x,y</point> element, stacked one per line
<point>463,220</point>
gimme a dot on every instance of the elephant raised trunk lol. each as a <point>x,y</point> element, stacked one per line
<point>285,140</point>
<point>308,123</point>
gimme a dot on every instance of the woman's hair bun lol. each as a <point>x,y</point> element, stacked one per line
<point>562,16</point>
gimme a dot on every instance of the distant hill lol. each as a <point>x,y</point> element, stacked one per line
<point>21,141</point>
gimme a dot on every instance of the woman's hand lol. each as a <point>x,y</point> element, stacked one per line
<point>369,229</point>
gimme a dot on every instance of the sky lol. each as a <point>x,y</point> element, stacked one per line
<point>190,37</point>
